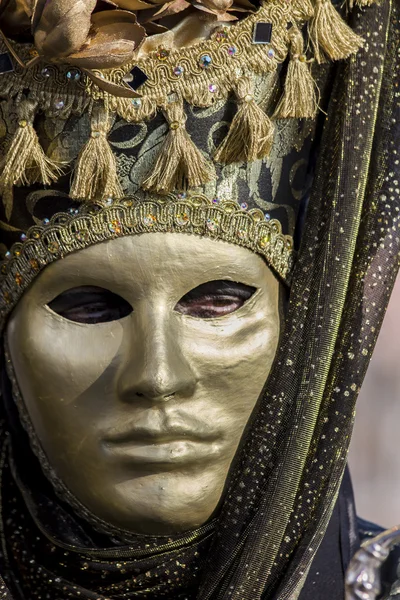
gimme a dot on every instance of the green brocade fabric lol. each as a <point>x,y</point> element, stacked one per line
<point>287,474</point>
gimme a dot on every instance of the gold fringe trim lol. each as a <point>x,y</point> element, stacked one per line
<point>95,175</point>
<point>180,164</point>
<point>251,133</point>
<point>25,162</point>
<point>330,35</point>
<point>299,99</point>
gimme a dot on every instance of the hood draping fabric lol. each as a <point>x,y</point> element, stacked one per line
<point>349,259</point>
<point>286,477</point>
<point>347,265</point>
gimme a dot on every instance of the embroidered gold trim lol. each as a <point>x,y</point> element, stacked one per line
<point>231,50</point>
<point>91,224</point>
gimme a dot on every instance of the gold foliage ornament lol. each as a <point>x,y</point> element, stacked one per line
<point>69,31</point>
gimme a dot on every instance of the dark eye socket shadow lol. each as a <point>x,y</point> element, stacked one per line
<point>93,305</point>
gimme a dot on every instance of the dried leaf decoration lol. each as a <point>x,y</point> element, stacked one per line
<point>104,34</point>
<point>15,16</point>
<point>70,31</point>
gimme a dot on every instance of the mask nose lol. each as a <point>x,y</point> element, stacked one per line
<point>156,368</point>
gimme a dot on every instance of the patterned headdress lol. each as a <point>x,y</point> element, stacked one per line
<point>194,128</point>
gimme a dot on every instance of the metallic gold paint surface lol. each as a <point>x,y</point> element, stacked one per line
<point>86,385</point>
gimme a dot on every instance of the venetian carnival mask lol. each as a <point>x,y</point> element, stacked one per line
<point>180,275</point>
<point>140,373</point>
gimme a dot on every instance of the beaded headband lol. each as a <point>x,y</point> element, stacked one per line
<point>201,138</point>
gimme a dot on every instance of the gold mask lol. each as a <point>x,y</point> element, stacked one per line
<point>141,413</point>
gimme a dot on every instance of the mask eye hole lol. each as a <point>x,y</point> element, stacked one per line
<point>214,299</point>
<point>91,305</point>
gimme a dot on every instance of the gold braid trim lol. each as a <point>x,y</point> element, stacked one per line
<point>231,50</point>
<point>66,233</point>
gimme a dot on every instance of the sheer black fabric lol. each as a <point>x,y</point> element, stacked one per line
<point>286,479</point>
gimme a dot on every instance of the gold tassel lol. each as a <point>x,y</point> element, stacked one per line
<point>25,162</point>
<point>95,174</point>
<point>303,10</point>
<point>251,133</point>
<point>299,99</point>
<point>180,164</point>
<point>330,35</point>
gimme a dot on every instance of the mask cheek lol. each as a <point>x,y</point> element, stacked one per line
<point>54,357</point>
<point>234,361</point>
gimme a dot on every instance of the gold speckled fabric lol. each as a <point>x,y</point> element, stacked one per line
<point>288,471</point>
<point>293,459</point>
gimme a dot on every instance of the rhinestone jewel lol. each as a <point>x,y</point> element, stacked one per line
<point>136,78</point>
<point>18,279</point>
<point>216,200</point>
<point>45,222</point>
<point>205,61</point>
<point>136,102</point>
<point>262,33</point>
<point>264,240</point>
<point>149,220</point>
<point>232,50</point>
<point>73,75</point>
<point>241,234</point>
<point>182,196</point>
<point>34,264</point>
<point>182,219</point>
<point>271,53</point>
<point>244,206</point>
<point>212,224</point>
<point>7,255</point>
<point>23,237</point>
<point>178,70</point>
<point>212,88</point>
<point>53,247</point>
<point>45,72</point>
<point>267,217</point>
<point>221,36</point>
<point>162,54</point>
<point>115,227</point>
<point>59,104</point>
<point>82,235</point>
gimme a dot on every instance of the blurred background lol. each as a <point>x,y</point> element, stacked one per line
<point>375,447</point>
